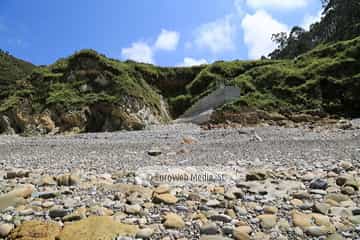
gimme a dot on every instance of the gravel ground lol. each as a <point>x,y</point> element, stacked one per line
<point>265,183</point>
<point>106,152</point>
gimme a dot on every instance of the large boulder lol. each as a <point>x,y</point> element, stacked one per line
<point>95,228</point>
<point>35,230</point>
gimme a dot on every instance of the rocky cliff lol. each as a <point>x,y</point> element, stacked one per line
<point>85,92</point>
<point>88,92</point>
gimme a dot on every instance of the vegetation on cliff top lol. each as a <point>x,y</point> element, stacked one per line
<point>11,70</point>
<point>88,77</point>
<point>340,21</point>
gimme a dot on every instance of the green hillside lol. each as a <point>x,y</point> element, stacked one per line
<point>101,94</point>
<point>11,69</point>
<point>326,79</point>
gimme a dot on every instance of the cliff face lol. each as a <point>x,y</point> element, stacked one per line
<point>88,92</point>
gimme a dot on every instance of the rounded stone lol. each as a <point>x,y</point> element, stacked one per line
<point>155,152</point>
<point>256,175</point>
<point>145,233</point>
<point>242,233</point>
<point>132,209</point>
<point>270,210</point>
<point>267,221</point>
<point>221,218</point>
<point>318,231</point>
<point>58,212</point>
<point>5,229</point>
<point>213,203</point>
<point>162,189</point>
<point>319,184</point>
<point>174,221</point>
<point>166,198</point>
<point>209,229</point>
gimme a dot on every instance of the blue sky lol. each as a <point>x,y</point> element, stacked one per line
<point>163,32</point>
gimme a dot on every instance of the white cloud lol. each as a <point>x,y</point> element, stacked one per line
<point>217,36</point>
<point>258,29</point>
<point>310,19</point>
<point>139,51</point>
<point>277,4</point>
<point>167,40</point>
<point>144,52</point>
<point>188,62</point>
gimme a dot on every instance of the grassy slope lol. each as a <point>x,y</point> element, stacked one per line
<point>325,79</point>
<point>60,84</point>
<point>11,70</point>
